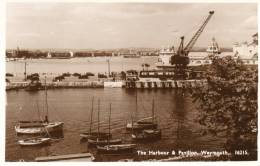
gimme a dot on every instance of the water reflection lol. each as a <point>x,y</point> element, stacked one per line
<point>174,111</point>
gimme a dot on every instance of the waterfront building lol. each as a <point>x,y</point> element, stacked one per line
<point>247,52</point>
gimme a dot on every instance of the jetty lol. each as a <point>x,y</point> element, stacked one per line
<point>170,84</point>
<point>69,157</point>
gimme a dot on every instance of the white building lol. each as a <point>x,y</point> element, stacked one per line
<point>248,53</point>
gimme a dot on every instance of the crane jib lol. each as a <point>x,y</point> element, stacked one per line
<point>181,57</point>
<point>198,33</point>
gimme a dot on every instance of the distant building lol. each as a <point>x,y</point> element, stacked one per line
<point>247,52</point>
<point>60,55</point>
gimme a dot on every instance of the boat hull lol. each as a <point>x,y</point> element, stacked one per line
<point>116,148</point>
<point>46,127</point>
<point>34,142</point>
<point>147,135</point>
<point>92,142</point>
<point>95,135</point>
<point>139,126</point>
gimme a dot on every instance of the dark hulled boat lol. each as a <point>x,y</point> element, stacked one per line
<point>116,148</point>
<point>95,135</point>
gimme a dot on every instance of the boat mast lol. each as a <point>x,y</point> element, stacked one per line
<point>109,122</point>
<point>90,126</point>
<point>46,102</point>
<point>132,124</point>
<point>136,104</point>
<point>38,110</point>
<point>153,110</point>
<point>25,74</point>
<point>98,115</point>
<point>108,65</point>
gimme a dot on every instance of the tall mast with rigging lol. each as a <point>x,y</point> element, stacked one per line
<point>136,105</point>
<point>109,122</point>
<point>91,114</point>
<point>153,110</point>
<point>25,71</point>
<point>98,115</point>
<point>46,102</point>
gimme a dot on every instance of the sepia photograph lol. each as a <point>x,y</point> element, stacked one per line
<point>131,82</point>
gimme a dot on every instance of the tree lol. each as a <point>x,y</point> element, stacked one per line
<point>146,66</point>
<point>228,103</point>
<point>143,66</point>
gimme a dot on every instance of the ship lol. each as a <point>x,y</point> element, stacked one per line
<point>213,49</point>
<point>164,58</point>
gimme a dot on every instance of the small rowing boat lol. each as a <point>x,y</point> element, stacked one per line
<point>116,148</point>
<point>34,141</point>
<point>145,135</point>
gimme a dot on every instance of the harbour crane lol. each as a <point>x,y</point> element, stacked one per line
<point>181,58</point>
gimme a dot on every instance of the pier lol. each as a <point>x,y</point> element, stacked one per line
<point>171,84</point>
<point>87,157</point>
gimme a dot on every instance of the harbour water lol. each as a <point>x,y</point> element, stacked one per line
<point>90,64</point>
<point>80,65</point>
<point>175,112</point>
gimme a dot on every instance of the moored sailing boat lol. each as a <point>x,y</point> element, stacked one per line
<point>148,134</point>
<point>104,141</point>
<point>145,123</point>
<point>113,147</point>
<point>91,134</point>
<point>39,126</point>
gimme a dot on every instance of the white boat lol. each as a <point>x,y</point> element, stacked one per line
<point>34,141</point>
<point>116,148</point>
<point>39,126</point>
<point>41,129</point>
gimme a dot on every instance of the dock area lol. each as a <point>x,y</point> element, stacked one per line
<point>81,157</point>
<point>57,85</point>
<point>170,84</point>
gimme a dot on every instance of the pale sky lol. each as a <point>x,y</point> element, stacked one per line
<point>122,25</point>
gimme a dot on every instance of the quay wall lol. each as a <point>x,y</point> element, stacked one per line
<point>165,84</point>
<point>121,84</point>
<point>56,85</point>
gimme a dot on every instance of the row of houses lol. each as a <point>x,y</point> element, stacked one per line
<point>17,53</point>
<point>55,54</point>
